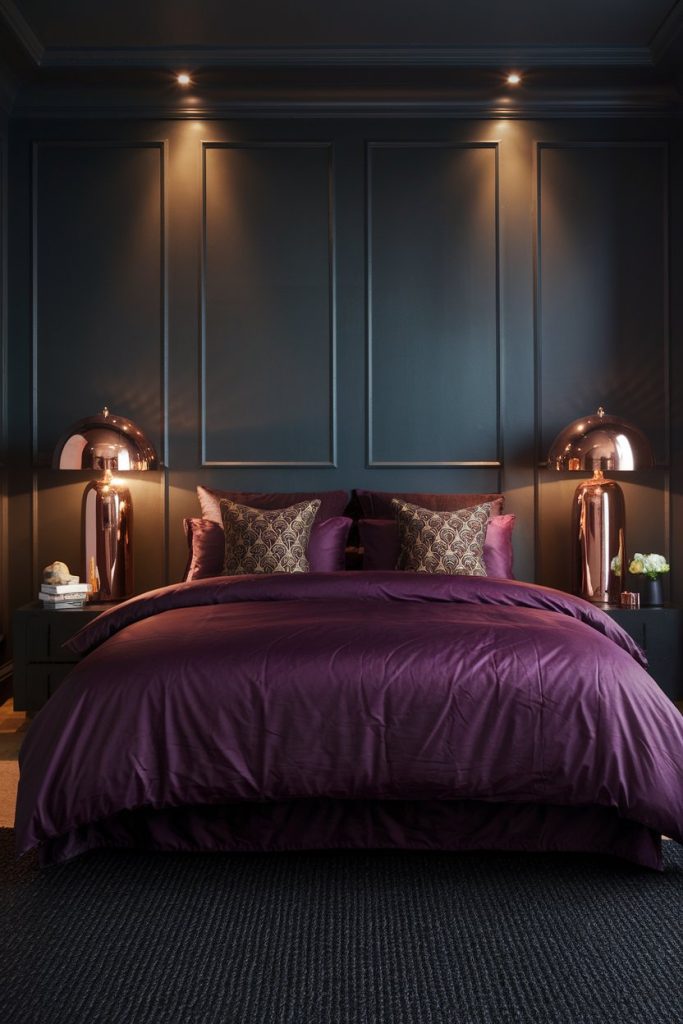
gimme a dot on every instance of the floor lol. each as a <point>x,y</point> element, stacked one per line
<point>13,726</point>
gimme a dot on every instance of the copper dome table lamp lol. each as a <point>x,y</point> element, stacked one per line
<point>109,444</point>
<point>598,444</point>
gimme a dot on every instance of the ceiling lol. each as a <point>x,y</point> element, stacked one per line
<point>207,24</point>
<point>631,49</point>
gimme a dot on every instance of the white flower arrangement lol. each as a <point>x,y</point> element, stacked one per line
<point>652,566</point>
<point>615,565</point>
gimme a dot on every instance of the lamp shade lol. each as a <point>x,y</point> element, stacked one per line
<point>600,442</point>
<point>105,442</point>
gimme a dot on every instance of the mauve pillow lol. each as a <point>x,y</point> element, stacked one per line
<point>206,548</point>
<point>332,503</point>
<point>380,541</point>
<point>498,553</point>
<point>381,545</point>
<point>206,543</point>
<point>327,546</point>
<point>377,504</point>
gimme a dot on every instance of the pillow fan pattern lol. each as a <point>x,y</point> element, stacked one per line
<point>261,540</point>
<point>442,542</point>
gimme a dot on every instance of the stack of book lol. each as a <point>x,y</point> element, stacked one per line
<point>63,596</point>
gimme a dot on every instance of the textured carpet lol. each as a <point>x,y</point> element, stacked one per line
<point>339,938</point>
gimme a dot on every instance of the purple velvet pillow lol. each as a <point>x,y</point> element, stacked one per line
<point>381,543</point>
<point>206,549</point>
<point>498,553</point>
<point>377,504</point>
<point>206,543</point>
<point>332,503</point>
<point>327,546</point>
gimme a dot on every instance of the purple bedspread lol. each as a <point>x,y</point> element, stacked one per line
<point>372,686</point>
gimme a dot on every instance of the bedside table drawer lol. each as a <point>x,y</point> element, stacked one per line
<point>45,639</point>
<point>41,662</point>
<point>659,631</point>
<point>56,674</point>
<point>635,627</point>
<point>42,680</point>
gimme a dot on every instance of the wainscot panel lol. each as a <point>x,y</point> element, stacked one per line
<point>433,304</point>
<point>99,326</point>
<point>449,293</point>
<point>603,329</point>
<point>268,321</point>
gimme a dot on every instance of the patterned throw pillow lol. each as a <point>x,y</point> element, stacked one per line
<point>442,542</point>
<point>266,540</point>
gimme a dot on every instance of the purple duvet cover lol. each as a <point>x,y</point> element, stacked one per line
<point>374,709</point>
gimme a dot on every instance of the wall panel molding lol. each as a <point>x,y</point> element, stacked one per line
<point>544,56</point>
<point>162,147</point>
<point>660,477</point>
<point>654,100</point>
<point>330,385</point>
<point>496,461</point>
<point>40,460</point>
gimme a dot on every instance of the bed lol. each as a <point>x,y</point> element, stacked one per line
<point>369,709</point>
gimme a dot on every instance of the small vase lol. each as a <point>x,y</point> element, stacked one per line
<point>651,592</point>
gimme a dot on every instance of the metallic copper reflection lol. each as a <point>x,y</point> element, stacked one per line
<point>110,444</point>
<point>600,442</point>
<point>107,528</point>
<point>598,529</point>
<point>105,441</point>
<point>596,444</point>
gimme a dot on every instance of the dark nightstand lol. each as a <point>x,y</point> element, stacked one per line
<point>659,631</point>
<point>40,661</point>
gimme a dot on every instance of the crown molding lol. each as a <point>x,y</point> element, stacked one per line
<point>22,31</point>
<point>349,56</point>
<point>566,103</point>
<point>667,33</point>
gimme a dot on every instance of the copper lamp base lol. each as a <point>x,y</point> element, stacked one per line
<point>598,528</point>
<point>107,529</point>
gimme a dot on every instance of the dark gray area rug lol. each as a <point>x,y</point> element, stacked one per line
<point>345,936</point>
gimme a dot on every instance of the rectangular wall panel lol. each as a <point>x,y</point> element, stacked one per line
<point>99,330</point>
<point>268,346</point>
<point>98,288</point>
<point>602,323</point>
<point>433,304</point>
<point>604,286</point>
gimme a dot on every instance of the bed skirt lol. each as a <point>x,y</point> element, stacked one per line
<point>457,825</point>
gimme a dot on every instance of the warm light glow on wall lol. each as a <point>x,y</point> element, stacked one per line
<point>514,78</point>
<point>183,78</point>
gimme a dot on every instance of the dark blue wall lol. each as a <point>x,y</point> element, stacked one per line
<point>414,305</point>
<point>4,474</point>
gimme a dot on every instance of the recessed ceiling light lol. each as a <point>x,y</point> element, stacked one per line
<point>514,78</point>
<point>183,79</point>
